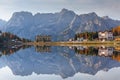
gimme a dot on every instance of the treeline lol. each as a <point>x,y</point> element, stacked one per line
<point>116,31</point>
<point>6,37</point>
<point>87,35</point>
<point>94,35</point>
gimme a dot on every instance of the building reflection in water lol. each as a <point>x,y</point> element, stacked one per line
<point>86,50</point>
<point>113,52</point>
<point>105,51</point>
<point>43,48</point>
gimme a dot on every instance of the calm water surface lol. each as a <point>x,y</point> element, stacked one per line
<point>59,63</point>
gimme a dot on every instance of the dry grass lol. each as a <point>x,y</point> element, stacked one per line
<point>68,43</point>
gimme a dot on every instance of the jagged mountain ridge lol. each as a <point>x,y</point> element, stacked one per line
<point>61,25</point>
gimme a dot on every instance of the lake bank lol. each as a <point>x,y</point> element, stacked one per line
<point>75,43</point>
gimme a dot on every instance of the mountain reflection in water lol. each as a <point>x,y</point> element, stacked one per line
<point>63,61</point>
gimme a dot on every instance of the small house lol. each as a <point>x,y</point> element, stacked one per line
<point>105,36</point>
<point>43,38</point>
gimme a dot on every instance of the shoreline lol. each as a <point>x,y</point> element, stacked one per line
<point>75,43</point>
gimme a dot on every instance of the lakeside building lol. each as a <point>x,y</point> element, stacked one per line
<point>43,38</point>
<point>80,39</point>
<point>105,36</point>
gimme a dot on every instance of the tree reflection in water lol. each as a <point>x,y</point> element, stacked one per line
<point>7,50</point>
<point>113,52</point>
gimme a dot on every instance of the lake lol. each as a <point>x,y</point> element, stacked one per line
<point>59,63</point>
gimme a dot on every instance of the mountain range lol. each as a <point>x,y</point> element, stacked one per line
<point>61,25</point>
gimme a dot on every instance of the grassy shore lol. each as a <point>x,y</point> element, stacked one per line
<point>75,43</point>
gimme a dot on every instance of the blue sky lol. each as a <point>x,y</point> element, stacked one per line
<point>109,8</point>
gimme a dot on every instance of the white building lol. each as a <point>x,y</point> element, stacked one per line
<point>107,35</point>
<point>80,39</point>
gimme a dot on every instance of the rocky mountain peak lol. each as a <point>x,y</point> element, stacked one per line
<point>66,11</point>
<point>22,13</point>
<point>92,14</point>
<point>20,19</point>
